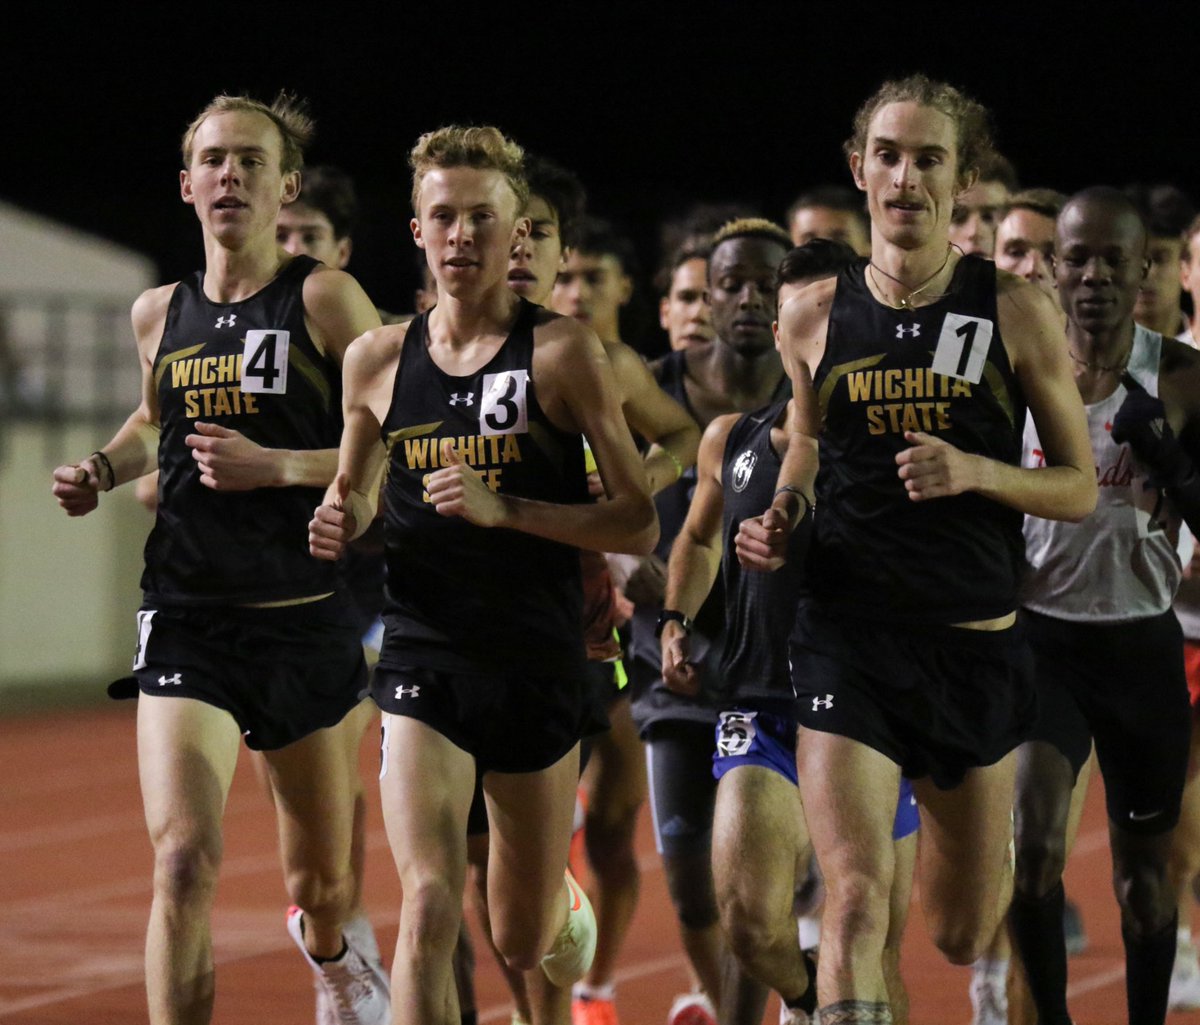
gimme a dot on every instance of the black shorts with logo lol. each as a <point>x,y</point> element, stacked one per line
<point>1122,684</point>
<point>282,673</point>
<point>936,700</point>
<point>507,722</point>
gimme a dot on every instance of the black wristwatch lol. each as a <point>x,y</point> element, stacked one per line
<point>672,616</point>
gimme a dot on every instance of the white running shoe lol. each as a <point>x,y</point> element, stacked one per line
<point>692,1009</point>
<point>1184,994</point>
<point>356,992</point>
<point>574,947</point>
<point>989,998</point>
<point>361,936</point>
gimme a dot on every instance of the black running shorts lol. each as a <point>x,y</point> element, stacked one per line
<point>507,723</point>
<point>282,673</point>
<point>937,700</point>
<point>1122,684</point>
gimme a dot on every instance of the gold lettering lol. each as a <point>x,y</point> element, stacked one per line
<point>875,420</point>
<point>416,453</point>
<point>914,383</point>
<point>942,412</point>
<point>512,451</point>
<point>222,406</point>
<point>961,388</point>
<point>181,373</point>
<point>859,385</point>
<point>891,385</point>
<point>190,409</point>
<point>492,479</point>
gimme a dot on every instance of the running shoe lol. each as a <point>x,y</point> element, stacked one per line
<point>1184,994</point>
<point>571,955</point>
<point>692,1009</point>
<point>356,992</point>
<point>989,998</point>
<point>593,1011</point>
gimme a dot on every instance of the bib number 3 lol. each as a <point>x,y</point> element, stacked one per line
<point>504,408</point>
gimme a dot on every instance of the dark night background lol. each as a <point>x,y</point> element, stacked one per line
<point>653,107</point>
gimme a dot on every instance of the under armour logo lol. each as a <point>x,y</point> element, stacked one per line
<point>227,321</point>
<point>177,679</point>
<point>462,400</point>
<point>914,330</point>
<point>407,692</point>
<point>825,702</point>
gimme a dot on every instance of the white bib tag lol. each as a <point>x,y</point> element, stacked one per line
<point>265,362</point>
<point>503,409</point>
<point>962,347</point>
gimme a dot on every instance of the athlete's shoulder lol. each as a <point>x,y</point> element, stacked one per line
<point>377,347</point>
<point>1179,376</point>
<point>810,305</point>
<point>718,431</point>
<point>625,359</point>
<point>559,343</point>
<point>324,286</point>
<point>1178,356</point>
<point>549,326</point>
<point>149,311</point>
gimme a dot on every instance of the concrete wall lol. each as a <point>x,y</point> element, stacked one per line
<point>68,586</point>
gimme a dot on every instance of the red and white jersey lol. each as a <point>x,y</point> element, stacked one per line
<point>1121,562</point>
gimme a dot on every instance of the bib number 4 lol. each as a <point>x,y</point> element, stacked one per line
<point>265,363</point>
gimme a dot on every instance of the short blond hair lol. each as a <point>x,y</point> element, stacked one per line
<point>483,147</point>
<point>288,113</point>
<point>750,227</point>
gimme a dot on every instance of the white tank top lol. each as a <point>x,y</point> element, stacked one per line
<point>1120,563</point>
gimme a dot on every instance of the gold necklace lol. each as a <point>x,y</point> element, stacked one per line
<point>1100,367</point>
<point>904,303</point>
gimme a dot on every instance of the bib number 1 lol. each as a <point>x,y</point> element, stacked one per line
<point>962,347</point>
<point>265,363</point>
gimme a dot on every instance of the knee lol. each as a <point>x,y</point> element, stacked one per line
<point>1039,865</point>
<point>520,941</point>
<point>321,892</point>
<point>856,908</point>
<point>689,880</point>
<point>746,924</point>
<point>430,914</point>
<point>961,938</point>
<point>1145,895</point>
<point>186,867</point>
<point>609,842</point>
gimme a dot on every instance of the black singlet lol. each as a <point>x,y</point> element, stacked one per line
<point>759,607</point>
<point>250,366</point>
<point>465,598</point>
<point>941,369</point>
